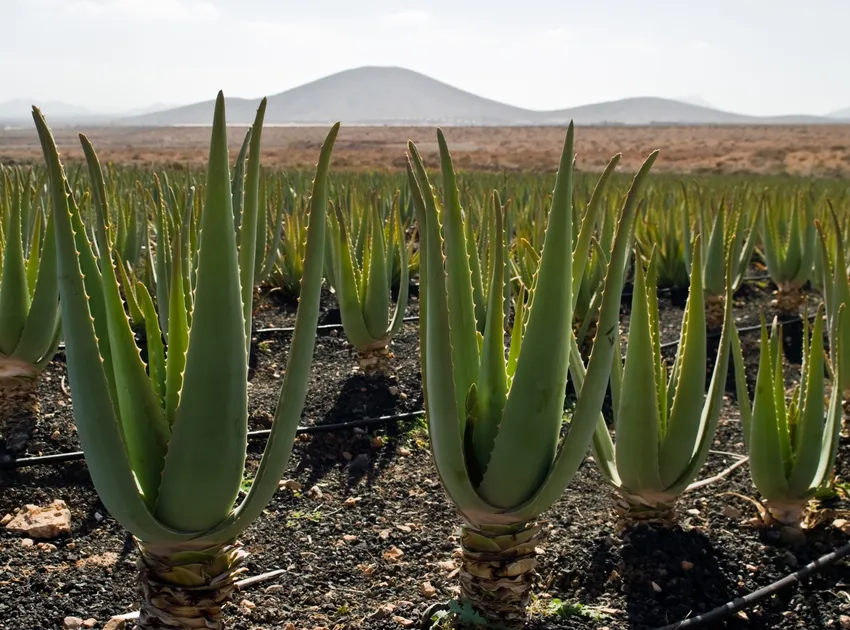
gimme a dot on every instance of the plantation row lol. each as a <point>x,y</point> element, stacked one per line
<point>100,257</point>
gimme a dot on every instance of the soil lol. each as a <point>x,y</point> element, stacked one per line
<point>819,150</point>
<point>381,561</point>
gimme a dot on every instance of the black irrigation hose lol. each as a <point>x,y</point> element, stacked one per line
<point>59,458</point>
<point>289,329</point>
<point>753,598</point>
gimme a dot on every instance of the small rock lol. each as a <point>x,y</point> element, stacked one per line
<point>350,502</point>
<point>46,547</point>
<point>404,622</point>
<point>72,623</point>
<point>693,512</point>
<point>742,615</point>
<point>840,523</point>
<point>378,442</point>
<point>91,622</point>
<point>42,522</point>
<point>55,435</point>
<point>27,542</point>
<point>405,528</point>
<point>347,456</point>
<point>404,452</point>
<point>71,546</point>
<point>384,534</point>
<point>393,390</point>
<point>291,484</point>
<point>246,606</point>
<point>687,566</point>
<point>273,588</point>
<point>384,610</point>
<point>731,512</point>
<point>5,520</point>
<point>290,625</point>
<point>367,569</point>
<point>446,565</point>
<point>116,623</point>
<point>844,620</point>
<point>98,517</point>
<point>393,554</point>
<point>428,589</point>
<point>349,538</point>
<point>656,588</point>
<point>315,492</point>
<point>751,568</point>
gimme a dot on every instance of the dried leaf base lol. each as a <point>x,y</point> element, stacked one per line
<point>186,589</point>
<point>714,311</point>
<point>787,301</point>
<point>18,413</point>
<point>376,361</point>
<point>633,510</point>
<point>498,570</point>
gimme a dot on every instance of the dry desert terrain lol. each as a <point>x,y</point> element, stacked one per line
<point>803,150</point>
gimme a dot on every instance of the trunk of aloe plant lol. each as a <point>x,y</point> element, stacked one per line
<point>184,587</point>
<point>376,359</point>
<point>498,569</point>
<point>787,513</point>
<point>18,412</point>
<point>714,311</point>
<point>632,509</point>
<point>787,300</point>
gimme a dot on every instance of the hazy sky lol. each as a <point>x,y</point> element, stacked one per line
<point>749,56</point>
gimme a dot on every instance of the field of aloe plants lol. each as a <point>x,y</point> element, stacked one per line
<point>256,399</point>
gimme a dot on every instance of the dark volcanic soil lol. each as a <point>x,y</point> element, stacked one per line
<point>379,562</point>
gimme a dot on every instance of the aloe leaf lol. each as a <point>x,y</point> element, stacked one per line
<point>96,420</point>
<point>461,308</point>
<point>446,409</point>
<point>528,435</point>
<point>767,466</point>
<point>683,427</point>
<point>247,227</point>
<point>43,320</point>
<point>596,377</point>
<point>14,294</point>
<point>492,386</point>
<point>636,450</point>
<point>209,433</point>
<point>156,350</point>
<point>294,389</point>
<point>377,296</point>
<point>350,310</point>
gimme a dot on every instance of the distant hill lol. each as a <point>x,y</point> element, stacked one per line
<point>368,95</point>
<point>390,95</point>
<point>21,108</point>
<point>374,95</point>
<point>841,113</point>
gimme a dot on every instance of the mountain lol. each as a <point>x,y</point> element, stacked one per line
<point>21,109</point>
<point>374,95</point>
<point>841,114</point>
<point>368,95</point>
<point>392,96</point>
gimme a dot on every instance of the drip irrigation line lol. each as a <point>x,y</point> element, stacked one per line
<point>289,329</point>
<point>740,603</point>
<point>60,458</point>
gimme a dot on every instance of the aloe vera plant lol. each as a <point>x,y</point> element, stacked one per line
<point>664,423</point>
<point>792,445</point>
<point>789,245</point>
<point>29,306</point>
<point>364,288</point>
<point>836,295</point>
<point>165,443</point>
<point>494,423</point>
